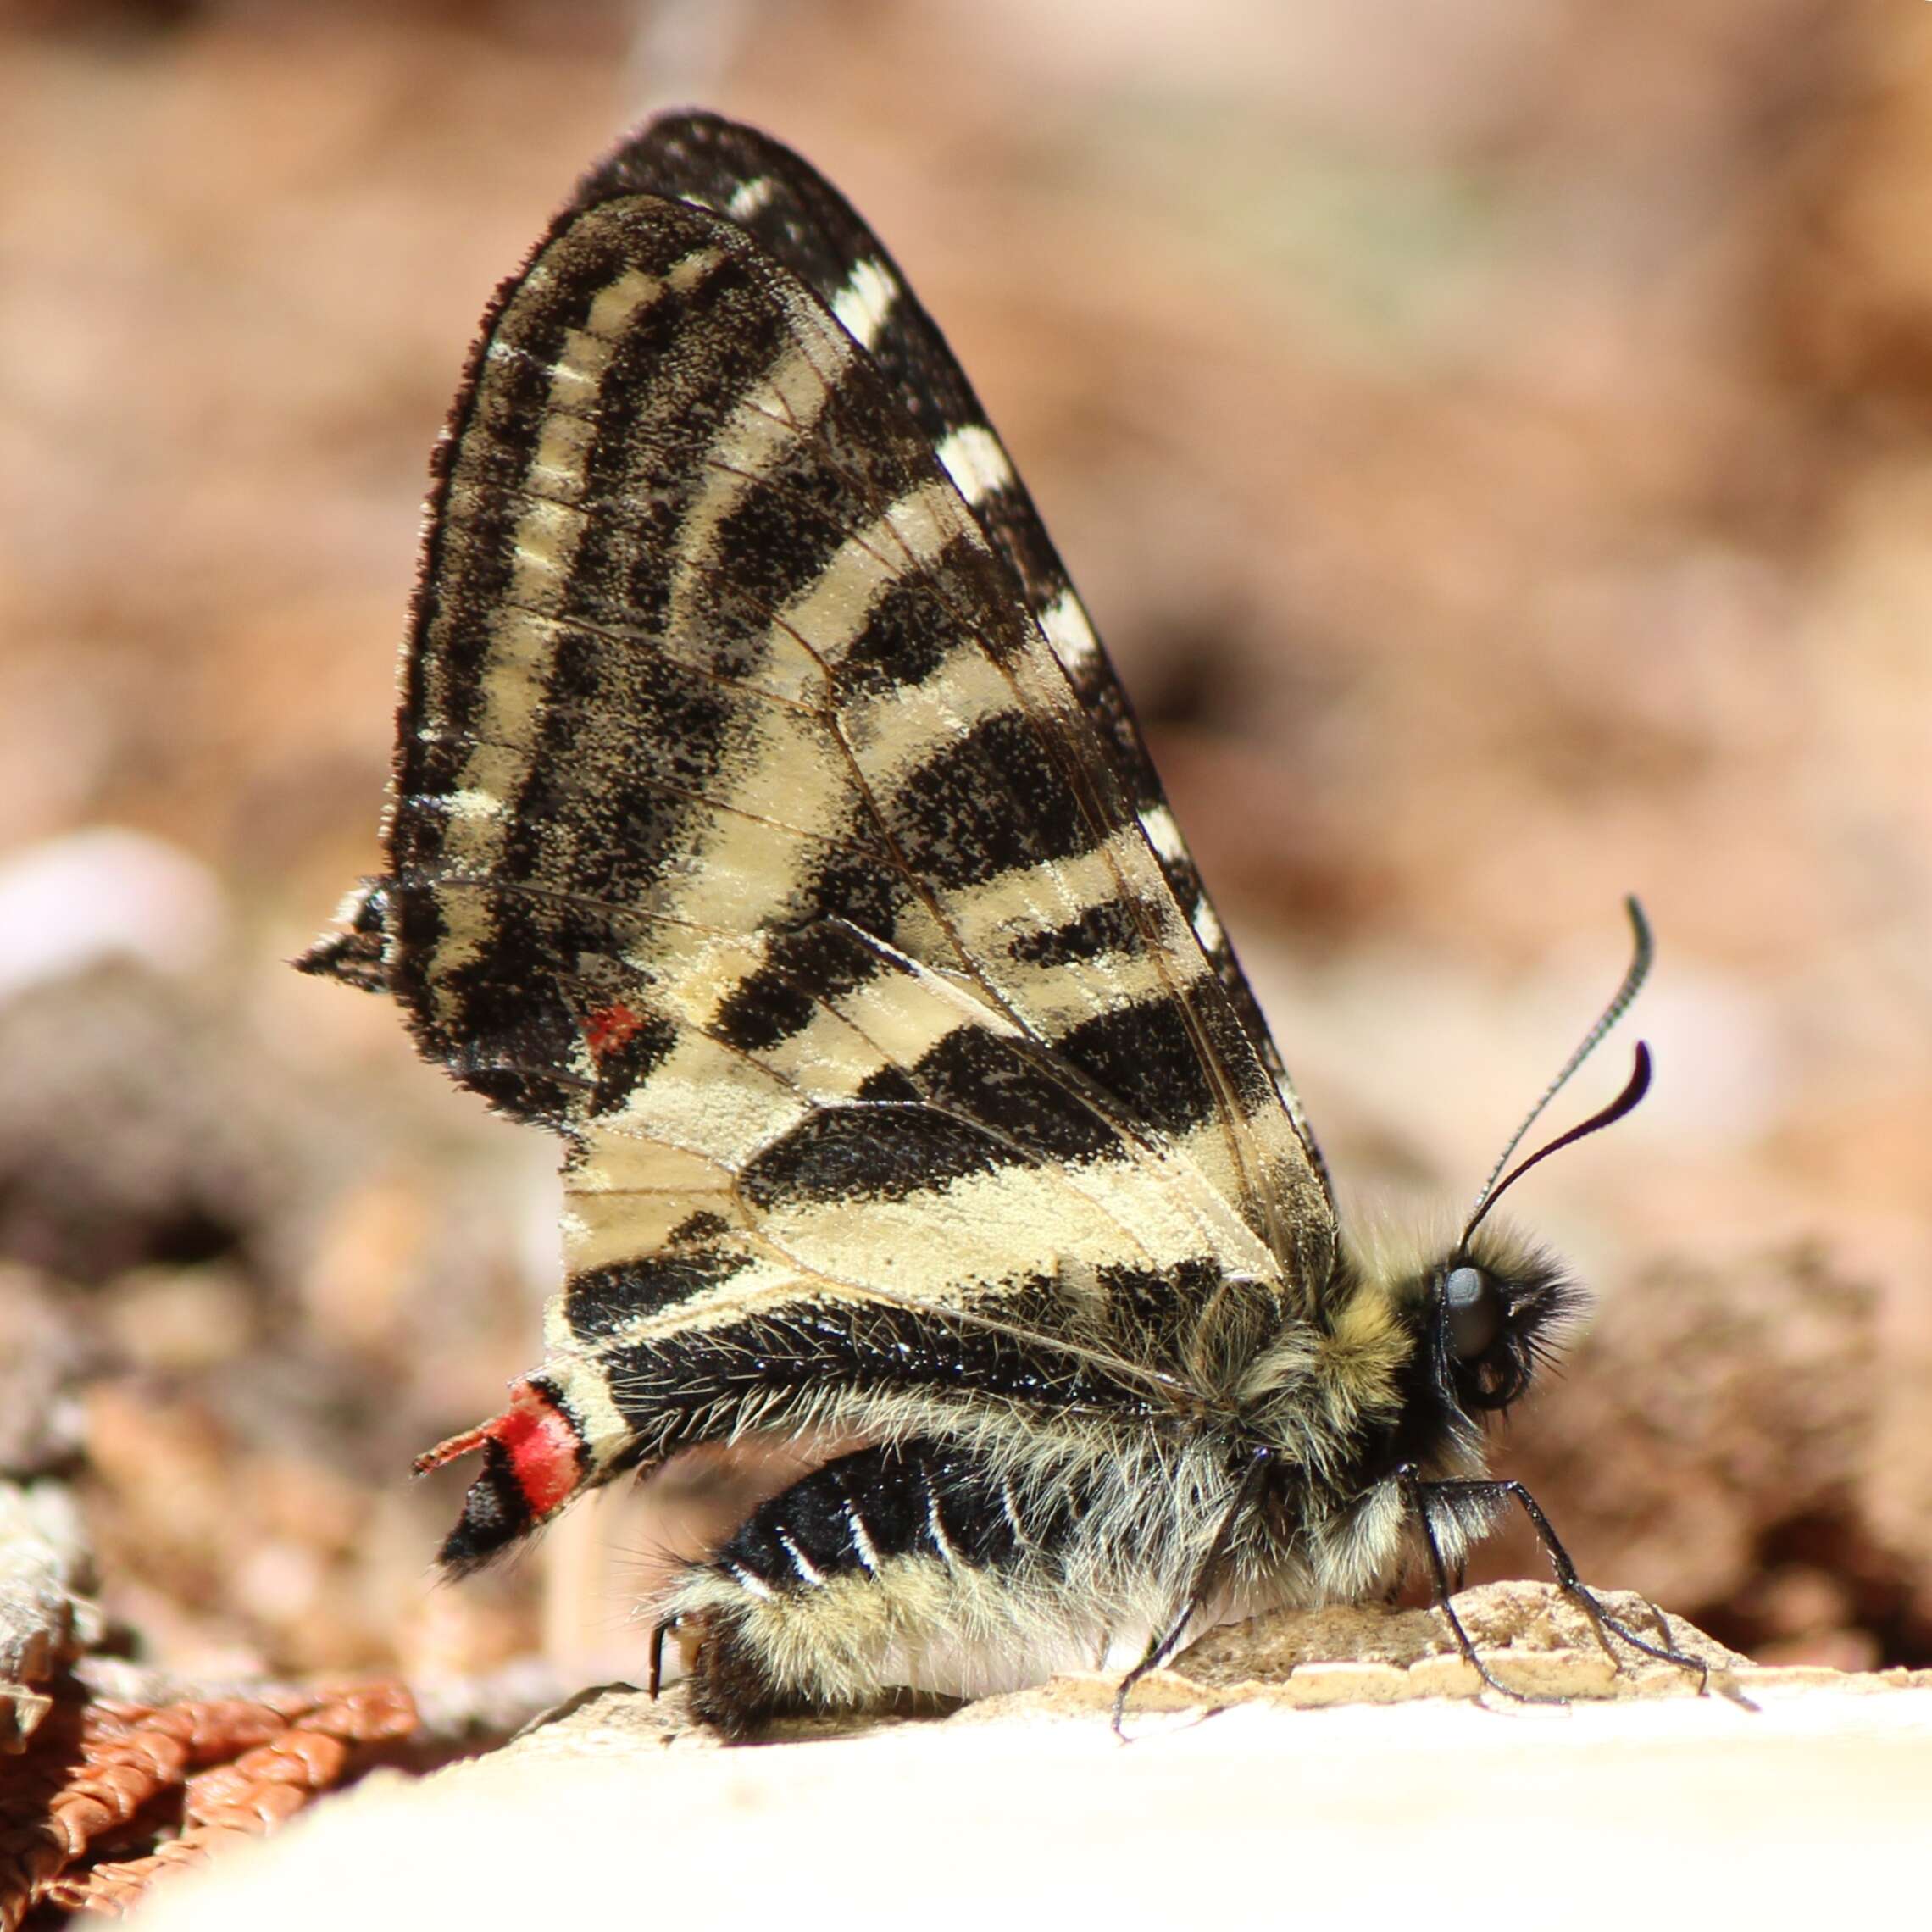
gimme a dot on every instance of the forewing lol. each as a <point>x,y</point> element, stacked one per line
<point>709,642</point>
<point>804,224</point>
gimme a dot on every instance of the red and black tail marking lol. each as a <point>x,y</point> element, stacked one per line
<point>534,1462</point>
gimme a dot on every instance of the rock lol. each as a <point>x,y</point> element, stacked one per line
<point>1026,1810</point>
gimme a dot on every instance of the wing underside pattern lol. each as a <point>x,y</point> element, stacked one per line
<point>758,830</point>
<point>804,224</point>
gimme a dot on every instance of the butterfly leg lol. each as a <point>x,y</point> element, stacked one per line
<point>1202,1588</point>
<point>1420,1494</point>
<point>1482,1490</point>
<point>659,1630</point>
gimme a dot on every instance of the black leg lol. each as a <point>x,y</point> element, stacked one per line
<point>1418,1493</point>
<point>1165,1645</point>
<point>660,1631</point>
<point>1568,1580</point>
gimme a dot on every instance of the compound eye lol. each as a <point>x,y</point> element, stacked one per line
<point>1472,1308</point>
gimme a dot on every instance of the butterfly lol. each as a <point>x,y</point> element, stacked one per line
<point>769,824</point>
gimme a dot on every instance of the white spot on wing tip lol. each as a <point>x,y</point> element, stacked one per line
<point>748,197</point>
<point>972,456</point>
<point>1069,632</point>
<point>1163,834</point>
<point>1207,927</point>
<point>863,305</point>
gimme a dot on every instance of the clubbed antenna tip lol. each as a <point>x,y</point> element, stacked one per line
<point>1643,952</point>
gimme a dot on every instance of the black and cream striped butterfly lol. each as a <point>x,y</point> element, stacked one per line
<point>769,824</point>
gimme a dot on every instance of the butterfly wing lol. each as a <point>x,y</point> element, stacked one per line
<point>804,224</point>
<point>750,833</point>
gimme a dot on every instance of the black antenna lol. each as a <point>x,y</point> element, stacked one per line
<point>1635,1089</point>
<point>1643,952</point>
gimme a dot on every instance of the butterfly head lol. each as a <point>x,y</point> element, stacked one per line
<point>1460,1331</point>
<point>1491,1313</point>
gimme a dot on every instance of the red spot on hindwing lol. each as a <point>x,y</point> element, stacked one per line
<point>544,1447</point>
<point>540,1442</point>
<point>610,1027</point>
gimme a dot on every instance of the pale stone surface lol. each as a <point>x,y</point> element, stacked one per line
<point>1647,1802</point>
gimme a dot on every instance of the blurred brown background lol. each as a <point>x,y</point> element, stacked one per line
<point>1496,438</point>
